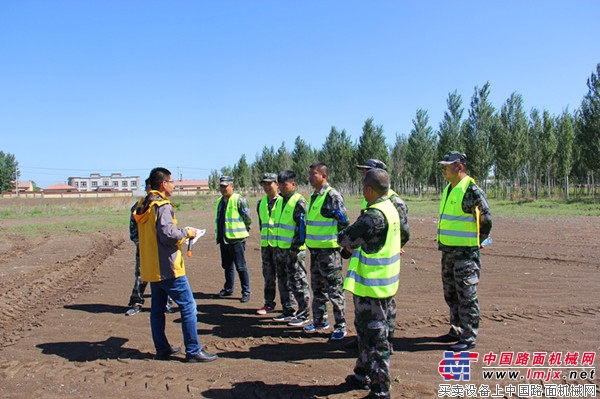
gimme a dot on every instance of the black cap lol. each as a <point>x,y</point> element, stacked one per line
<point>453,157</point>
<point>373,163</point>
<point>269,177</point>
<point>225,180</point>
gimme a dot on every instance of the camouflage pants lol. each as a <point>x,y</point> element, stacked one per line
<point>139,286</point>
<point>297,282</point>
<point>275,275</point>
<point>326,280</point>
<point>460,277</point>
<point>372,318</point>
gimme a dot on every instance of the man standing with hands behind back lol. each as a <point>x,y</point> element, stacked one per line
<point>373,278</point>
<point>465,221</point>
<point>232,228</point>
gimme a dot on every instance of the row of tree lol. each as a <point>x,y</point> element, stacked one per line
<point>510,152</point>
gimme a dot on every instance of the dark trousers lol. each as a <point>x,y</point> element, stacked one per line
<point>232,258</point>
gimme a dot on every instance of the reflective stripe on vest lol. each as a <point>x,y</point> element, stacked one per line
<point>285,226</point>
<point>268,234</point>
<point>234,224</point>
<point>377,275</point>
<point>389,194</point>
<point>321,232</point>
<point>457,228</point>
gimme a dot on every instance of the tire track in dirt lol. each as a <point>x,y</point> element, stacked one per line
<point>27,297</point>
<point>518,316</point>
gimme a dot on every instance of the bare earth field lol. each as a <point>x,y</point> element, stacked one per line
<point>63,333</point>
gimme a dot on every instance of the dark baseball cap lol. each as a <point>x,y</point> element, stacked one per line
<point>373,163</point>
<point>269,177</point>
<point>453,157</point>
<point>225,180</point>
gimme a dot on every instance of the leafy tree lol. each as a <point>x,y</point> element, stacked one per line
<point>535,144</point>
<point>510,140</point>
<point>371,144</point>
<point>241,173</point>
<point>338,153</point>
<point>564,149</point>
<point>264,163</point>
<point>213,179</point>
<point>9,168</point>
<point>397,167</point>
<point>476,133</point>
<point>421,149</point>
<point>283,159</point>
<point>303,156</point>
<point>449,133</point>
<point>590,124</point>
<point>548,146</point>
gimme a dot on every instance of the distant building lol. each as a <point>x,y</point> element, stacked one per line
<point>24,187</point>
<point>59,188</point>
<point>190,187</point>
<point>97,182</point>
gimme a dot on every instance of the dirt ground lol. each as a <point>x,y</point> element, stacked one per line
<point>63,332</point>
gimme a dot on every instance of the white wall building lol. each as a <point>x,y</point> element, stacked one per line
<point>97,182</point>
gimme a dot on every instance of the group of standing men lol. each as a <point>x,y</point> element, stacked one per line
<point>288,226</point>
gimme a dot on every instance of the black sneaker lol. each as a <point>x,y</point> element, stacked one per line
<point>245,298</point>
<point>200,357</point>
<point>286,318</point>
<point>452,336</point>
<point>167,354</point>
<point>462,346</point>
<point>223,293</point>
<point>356,382</point>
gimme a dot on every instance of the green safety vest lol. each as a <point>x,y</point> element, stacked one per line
<point>268,237</point>
<point>389,194</point>
<point>234,224</point>
<point>457,228</point>
<point>285,226</point>
<point>321,232</point>
<point>377,275</point>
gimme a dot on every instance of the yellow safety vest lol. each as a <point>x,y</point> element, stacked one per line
<point>457,228</point>
<point>268,235</point>
<point>389,194</point>
<point>377,275</point>
<point>234,224</point>
<point>285,226</point>
<point>321,232</point>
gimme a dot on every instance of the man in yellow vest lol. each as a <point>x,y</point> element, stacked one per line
<point>465,222</point>
<point>373,278</point>
<point>273,273</point>
<point>404,229</point>
<point>161,264</point>
<point>232,228</point>
<point>290,218</point>
<point>325,218</point>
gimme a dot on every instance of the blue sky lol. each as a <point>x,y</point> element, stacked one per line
<point>124,86</point>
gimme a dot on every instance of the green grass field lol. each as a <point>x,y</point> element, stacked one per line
<point>47,217</point>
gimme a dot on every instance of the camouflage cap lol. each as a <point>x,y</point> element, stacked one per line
<point>269,177</point>
<point>453,157</point>
<point>225,180</point>
<point>373,163</point>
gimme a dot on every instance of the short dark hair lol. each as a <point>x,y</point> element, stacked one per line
<point>320,166</point>
<point>286,175</point>
<point>157,176</point>
<point>378,180</point>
